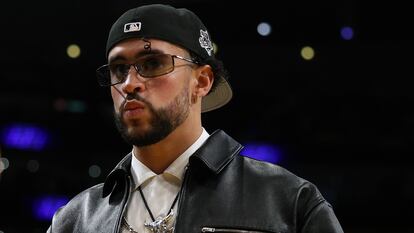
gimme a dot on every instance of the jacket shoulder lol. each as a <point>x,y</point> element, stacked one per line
<point>312,212</point>
<point>87,197</point>
<point>67,217</point>
<point>265,170</point>
<point>303,193</point>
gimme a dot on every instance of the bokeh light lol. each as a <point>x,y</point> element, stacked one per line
<point>307,53</point>
<point>32,165</point>
<point>4,164</point>
<point>262,151</point>
<point>25,137</point>
<point>73,51</point>
<point>264,29</point>
<point>94,171</point>
<point>347,33</point>
<point>45,206</point>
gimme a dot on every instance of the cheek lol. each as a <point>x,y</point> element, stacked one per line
<point>116,98</point>
<point>162,91</point>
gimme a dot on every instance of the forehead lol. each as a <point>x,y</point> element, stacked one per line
<point>134,47</point>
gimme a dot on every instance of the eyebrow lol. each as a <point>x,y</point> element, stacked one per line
<point>139,54</point>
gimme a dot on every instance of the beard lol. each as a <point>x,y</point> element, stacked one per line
<point>162,121</point>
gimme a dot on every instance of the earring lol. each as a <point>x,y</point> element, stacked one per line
<point>193,98</point>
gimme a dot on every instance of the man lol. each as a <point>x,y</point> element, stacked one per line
<point>178,178</point>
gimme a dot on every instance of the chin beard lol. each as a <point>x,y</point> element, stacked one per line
<point>162,122</point>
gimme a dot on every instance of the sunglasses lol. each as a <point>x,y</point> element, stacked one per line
<point>147,66</point>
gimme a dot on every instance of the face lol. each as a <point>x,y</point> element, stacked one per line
<point>152,107</point>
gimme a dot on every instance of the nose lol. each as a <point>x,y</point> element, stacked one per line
<point>133,81</point>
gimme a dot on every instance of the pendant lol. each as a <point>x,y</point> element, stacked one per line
<point>160,225</point>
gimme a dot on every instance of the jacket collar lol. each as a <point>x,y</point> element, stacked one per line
<point>217,151</point>
<point>117,175</point>
<point>214,154</point>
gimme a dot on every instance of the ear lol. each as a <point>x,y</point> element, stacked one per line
<point>205,79</point>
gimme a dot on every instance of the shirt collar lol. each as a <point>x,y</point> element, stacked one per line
<point>141,173</point>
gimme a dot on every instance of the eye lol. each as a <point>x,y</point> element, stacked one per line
<point>151,64</point>
<point>119,71</point>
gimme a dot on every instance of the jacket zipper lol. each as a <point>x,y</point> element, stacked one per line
<point>228,230</point>
<point>118,223</point>
<point>181,196</point>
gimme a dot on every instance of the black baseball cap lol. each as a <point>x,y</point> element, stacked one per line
<point>179,26</point>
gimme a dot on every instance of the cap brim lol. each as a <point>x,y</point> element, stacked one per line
<point>221,95</point>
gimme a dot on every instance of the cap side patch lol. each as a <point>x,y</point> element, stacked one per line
<point>205,41</point>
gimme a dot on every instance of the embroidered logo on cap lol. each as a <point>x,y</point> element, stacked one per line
<point>205,41</point>
<point>132,27</point>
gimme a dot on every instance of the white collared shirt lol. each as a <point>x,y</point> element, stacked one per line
<point>159,190</point>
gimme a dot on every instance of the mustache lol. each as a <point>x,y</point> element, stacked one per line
<point>134,96</point>
<point>131,96</point>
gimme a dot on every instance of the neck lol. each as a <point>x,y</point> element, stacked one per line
<point>160,155</point>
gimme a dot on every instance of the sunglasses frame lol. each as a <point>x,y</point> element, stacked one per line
<point>104,73</point>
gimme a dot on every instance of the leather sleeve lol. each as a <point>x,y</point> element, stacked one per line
<point>322,219</point>
<point>318,216</point>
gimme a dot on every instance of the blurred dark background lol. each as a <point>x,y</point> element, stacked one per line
<point>342,118</point>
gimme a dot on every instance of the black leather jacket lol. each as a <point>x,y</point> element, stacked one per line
<point>223,192</point>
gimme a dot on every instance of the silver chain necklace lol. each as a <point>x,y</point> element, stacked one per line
<point>159,225</point>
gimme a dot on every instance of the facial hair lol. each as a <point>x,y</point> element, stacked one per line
<point>162,121</point>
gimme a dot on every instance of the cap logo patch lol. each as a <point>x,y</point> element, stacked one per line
<point>205,41</point>
<point>132,27</point>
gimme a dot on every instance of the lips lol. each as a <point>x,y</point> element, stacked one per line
<point>133,109</point>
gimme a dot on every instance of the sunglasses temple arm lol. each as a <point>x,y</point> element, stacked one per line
<point>123,96</point>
